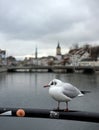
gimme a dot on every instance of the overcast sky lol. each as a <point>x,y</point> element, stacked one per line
<point>25,24</point>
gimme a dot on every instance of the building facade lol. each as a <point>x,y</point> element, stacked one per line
<point>2,57</point>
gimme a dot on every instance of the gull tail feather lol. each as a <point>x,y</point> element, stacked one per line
<point>85,92</point>
<point>82,93</point>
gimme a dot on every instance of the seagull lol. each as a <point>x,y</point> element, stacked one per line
<point>63,92</point>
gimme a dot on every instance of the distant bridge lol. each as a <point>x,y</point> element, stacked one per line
<point>67,69</point>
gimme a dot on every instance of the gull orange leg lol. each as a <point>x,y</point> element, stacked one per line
<point>66,107</point>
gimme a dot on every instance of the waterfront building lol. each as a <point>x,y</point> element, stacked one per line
<point>88,62</point>
<point>2,57</point>
<point>77,55</point>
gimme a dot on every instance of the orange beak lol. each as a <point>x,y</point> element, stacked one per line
<point>46,86</point>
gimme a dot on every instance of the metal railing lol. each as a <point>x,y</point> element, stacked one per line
<point>50,114</point>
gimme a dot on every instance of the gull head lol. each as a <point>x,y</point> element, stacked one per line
<point>54,82</point>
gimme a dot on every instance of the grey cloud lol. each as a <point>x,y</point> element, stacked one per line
<point>47,21</point>
<point>33,23</point>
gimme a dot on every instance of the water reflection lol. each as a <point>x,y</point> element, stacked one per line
<point>26,90</point>
<point>2,79</point>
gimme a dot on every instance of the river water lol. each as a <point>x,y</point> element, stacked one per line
<point>25,90</point>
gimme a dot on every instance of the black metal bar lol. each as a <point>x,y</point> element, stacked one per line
<point>51,114</point>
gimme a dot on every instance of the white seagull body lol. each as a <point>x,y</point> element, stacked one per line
<point>63,92</point>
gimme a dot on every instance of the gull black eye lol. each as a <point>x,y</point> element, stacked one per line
<point>52,83</point>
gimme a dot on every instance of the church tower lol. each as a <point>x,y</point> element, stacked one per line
<point>58,52</point>
<point>36,53</point>
<point>58,49</point>
<point>36,56</point>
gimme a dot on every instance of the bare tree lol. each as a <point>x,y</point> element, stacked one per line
<point>75,46</point>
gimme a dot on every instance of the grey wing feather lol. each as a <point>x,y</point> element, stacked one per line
<point>70,91</point>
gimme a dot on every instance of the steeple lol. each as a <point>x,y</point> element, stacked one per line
<point>58,52</point>
<point>36,53</point>
<point>58,49</point>
<point>58,46</point>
